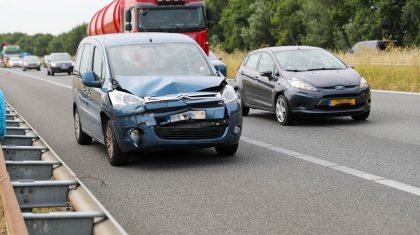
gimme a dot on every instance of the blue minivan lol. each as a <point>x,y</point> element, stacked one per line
<point>152,91</point>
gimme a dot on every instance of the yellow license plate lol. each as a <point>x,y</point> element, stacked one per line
<point>337,102</point>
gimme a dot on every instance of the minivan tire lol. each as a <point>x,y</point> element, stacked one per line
<point>81,137</point>
<point>116,156</point>
<point>229,150</point>
<point>283,114</point>
<point>245,110</point>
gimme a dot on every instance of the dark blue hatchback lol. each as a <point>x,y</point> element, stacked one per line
<point>156,91</point>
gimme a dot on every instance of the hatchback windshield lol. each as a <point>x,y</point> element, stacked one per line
<point>159,59</point>
<point>61,57</point>
<point>14,59</point>
<point>175,19</point>
<point>308,60</point>
<point>31,59</point>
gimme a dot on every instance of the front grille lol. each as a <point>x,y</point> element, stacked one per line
<point>190,133</point>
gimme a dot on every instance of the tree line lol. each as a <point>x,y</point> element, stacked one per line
<point>332,24</point>
<point>45,44</point>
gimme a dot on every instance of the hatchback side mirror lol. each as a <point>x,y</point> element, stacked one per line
<point>88,79</point>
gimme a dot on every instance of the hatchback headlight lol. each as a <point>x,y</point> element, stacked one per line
<point>229,94</point>
<point>363,83</point>
<point>302,85</point>
<point>119,99</point>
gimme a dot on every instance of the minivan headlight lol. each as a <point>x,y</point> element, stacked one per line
<point>363,83</point>
<point>229,94</point>
<point>302,85</point>
<point>119,99</point>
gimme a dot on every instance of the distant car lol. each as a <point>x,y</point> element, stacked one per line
<point>218,64</point>
<point>60,63</point>
<point>45,61</point>
<point>296,81</point>
<point>372,45</point>
<point>140,93</point>
<point>15,62</point>
<point>31,62</point>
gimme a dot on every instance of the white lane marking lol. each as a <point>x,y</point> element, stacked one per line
<point>360,174</point>
<point>334,166</point>
<point>396,92</point>
<point>38,78</point>
<point>400,186</point>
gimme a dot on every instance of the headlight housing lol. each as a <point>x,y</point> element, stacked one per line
<point>229,94</point>
<point>302,85</point>
<point>363,83</point>
<point>119,99</point>
<point>53,64</point>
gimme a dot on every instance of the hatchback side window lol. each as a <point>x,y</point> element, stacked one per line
<point>86,59</point>
<point>98,65</point>
<point>76,68</point>
<point>253,61</point>
<point>266,63</point>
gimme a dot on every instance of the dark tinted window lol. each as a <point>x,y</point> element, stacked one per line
<point>266,63</point>
<point>78,59</point>
<point>86,58</point>
<point>98,65</point>
<point>252,61</point>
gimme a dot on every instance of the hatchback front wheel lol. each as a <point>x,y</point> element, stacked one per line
<point>283,114</point>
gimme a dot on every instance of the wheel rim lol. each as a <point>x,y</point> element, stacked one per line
<point>77,125</point>
<point>281,110</point>
<point>108,141</point>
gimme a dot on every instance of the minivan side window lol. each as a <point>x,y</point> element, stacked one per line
<point>76,68</point>
<point>86,58</point>
<point>266,63</point>
<point>98,65</point>
<point>253,61</point>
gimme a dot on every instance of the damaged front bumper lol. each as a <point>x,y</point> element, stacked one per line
<point>153,126</point>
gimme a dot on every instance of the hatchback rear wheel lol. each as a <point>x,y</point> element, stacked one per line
<point>283,114</point>
<point>116,156</point>
<point>245,110</point>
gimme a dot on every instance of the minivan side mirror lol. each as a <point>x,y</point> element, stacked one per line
<point>88,79</point>
<point>267,73</point>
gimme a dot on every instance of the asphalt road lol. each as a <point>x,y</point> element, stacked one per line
<point>320,176</point>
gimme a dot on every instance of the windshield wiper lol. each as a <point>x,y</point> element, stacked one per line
<point>323,69</point>
<point>295,70</point>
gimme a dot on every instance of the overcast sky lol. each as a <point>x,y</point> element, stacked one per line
<point>46,16</point>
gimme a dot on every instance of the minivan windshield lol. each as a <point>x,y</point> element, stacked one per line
<point>158,59</point>
<point>301,60</point>
<point>60,57</point>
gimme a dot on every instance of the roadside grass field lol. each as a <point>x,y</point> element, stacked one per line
<point>396,70</point>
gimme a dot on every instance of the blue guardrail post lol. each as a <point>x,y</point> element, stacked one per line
<point>2,115</point>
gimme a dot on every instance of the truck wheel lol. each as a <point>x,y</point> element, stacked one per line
<point>52,73</point>
<point>116,156</point>
<point>69,73</point>
<point>81,137</point>
<point>48,72</point>
<point>229,150</point>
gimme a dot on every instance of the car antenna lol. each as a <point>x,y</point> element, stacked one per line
<point>293,39</point>
<point>144,28</point>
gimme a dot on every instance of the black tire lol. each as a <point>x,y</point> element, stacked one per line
<point>361,117</point>
<point>52,73</point>
<point>229,150</point>
<point>245,110</point>
<point>48,72</point>
<point>23,69</point>
<point>69,73</point>
<point>116,156</point>
<point>81,137</point>
<point>283,114</point>
<point>39,69</point>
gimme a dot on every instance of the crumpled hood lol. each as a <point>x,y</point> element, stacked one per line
<point>328,78</point>
<point>161,86</point>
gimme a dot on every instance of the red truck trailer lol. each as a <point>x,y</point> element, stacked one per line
<point>189,17</point>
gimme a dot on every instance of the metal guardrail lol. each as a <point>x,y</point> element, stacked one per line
<point>37,178</point>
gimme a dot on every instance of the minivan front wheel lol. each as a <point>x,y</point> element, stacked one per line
<point>81,137</point>
<point>283,114</point>
<point>116,156</point>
